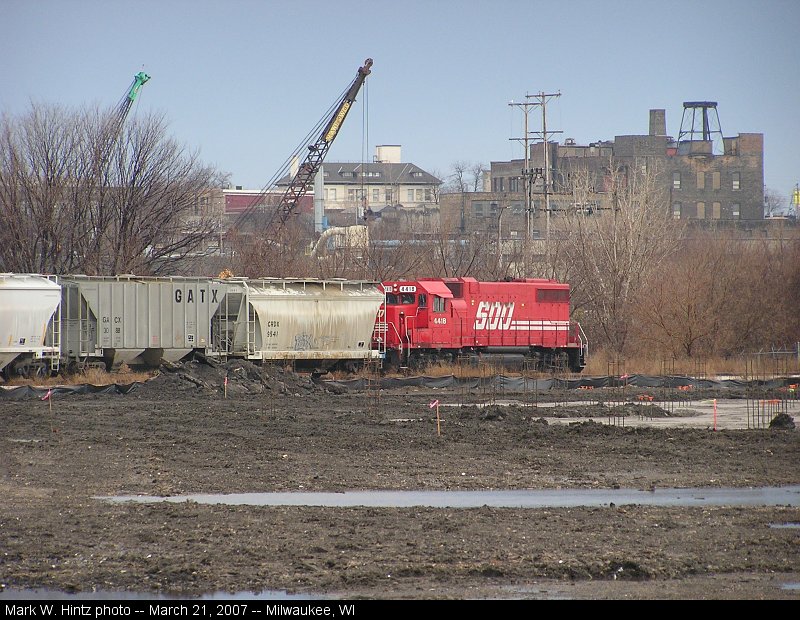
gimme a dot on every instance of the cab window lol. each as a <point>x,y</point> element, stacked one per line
<point>423,300</point>
<point>391,299</point>
<point>407,298</point>
<point>438,304</point>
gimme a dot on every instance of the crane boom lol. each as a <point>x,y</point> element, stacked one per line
<point>126,103</point>
<point>299,184</point>
<point>116,119</point>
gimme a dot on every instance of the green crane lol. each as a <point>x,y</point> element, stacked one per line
<point>116,121</point>
<point>126,103</point>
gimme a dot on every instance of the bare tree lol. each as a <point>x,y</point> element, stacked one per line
<point>683,310</point>
<point>37,168</point>
<point>774,203</point>
<point>477,172</point>
<point>613,251</point>
<point>73,197</point>
<point>721,295</point>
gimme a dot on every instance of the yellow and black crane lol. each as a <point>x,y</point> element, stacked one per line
<point>303,178</point>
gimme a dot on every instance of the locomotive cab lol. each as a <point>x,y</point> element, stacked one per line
<point>419,317</point>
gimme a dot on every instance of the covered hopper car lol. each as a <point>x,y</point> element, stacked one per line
<point>28,305</point>
<point>432,320</point>
<point>105,321</point>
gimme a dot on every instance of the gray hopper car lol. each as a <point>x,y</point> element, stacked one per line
<point>106,321</point>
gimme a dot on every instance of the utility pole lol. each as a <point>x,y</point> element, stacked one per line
<point>541,100</point>
<point>529,174</point>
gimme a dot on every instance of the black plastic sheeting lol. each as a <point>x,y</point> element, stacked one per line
<point>525,384</point>
<point>511,384</point>
<point>27,392</point>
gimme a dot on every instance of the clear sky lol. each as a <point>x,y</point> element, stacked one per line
<point>244,81</point>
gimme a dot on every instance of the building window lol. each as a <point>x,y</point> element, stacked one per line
<point>428,195</point>
<point>716,211</point>
<point>735,210</point>
<point>376,195</point>
<point>676,210</point>
<point>410,195</point>
<point>355,194</point>
<point>389,196</point>
<point>478,208</point>
<point>676,180</point>
<point>701,180</point>
<point>513,184</point>
<point>349,174</point>
<point>419,195</point>
<point>330,193</point>
<point>715,181</point>
<point>701,210</point>
<point>737,180</point>
<point>416,174</point>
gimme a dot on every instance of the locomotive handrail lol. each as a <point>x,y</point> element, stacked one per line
<point>582,339</point>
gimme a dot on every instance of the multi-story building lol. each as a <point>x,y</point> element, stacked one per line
<point>351,190</point>
<point>705,176</point>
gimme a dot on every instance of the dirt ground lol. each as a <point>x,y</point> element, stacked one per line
<point>183,433</point>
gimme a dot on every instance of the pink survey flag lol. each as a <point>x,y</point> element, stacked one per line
<point>47,396</point>
<point>433,404</point>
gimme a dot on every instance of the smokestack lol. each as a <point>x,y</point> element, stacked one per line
<point>658,123</point>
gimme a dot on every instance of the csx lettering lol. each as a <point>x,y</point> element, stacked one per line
<point>494,315</point>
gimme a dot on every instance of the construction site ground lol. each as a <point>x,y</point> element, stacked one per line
<point>190,431</point>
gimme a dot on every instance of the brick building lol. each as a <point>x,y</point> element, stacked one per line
<point>705,176</point>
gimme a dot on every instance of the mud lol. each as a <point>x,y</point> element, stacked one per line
<point>187,431</point>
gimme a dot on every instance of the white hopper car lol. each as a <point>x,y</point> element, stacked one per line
<point>28,305</point>
<point>105,321</point>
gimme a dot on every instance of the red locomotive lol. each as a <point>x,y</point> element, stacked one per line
<point>432,320</point>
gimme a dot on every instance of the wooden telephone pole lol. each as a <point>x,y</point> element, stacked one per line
<point>530,175</point>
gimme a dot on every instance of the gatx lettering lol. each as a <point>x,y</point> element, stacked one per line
<point>494,315</point>
<point>190,296</point>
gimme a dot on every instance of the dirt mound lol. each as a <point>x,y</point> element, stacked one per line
<point>782,421</point>
<point>236,378</point>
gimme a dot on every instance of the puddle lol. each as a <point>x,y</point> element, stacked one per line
<point>790,586</point>
<point>547,498</point>
<point>787,526</point>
